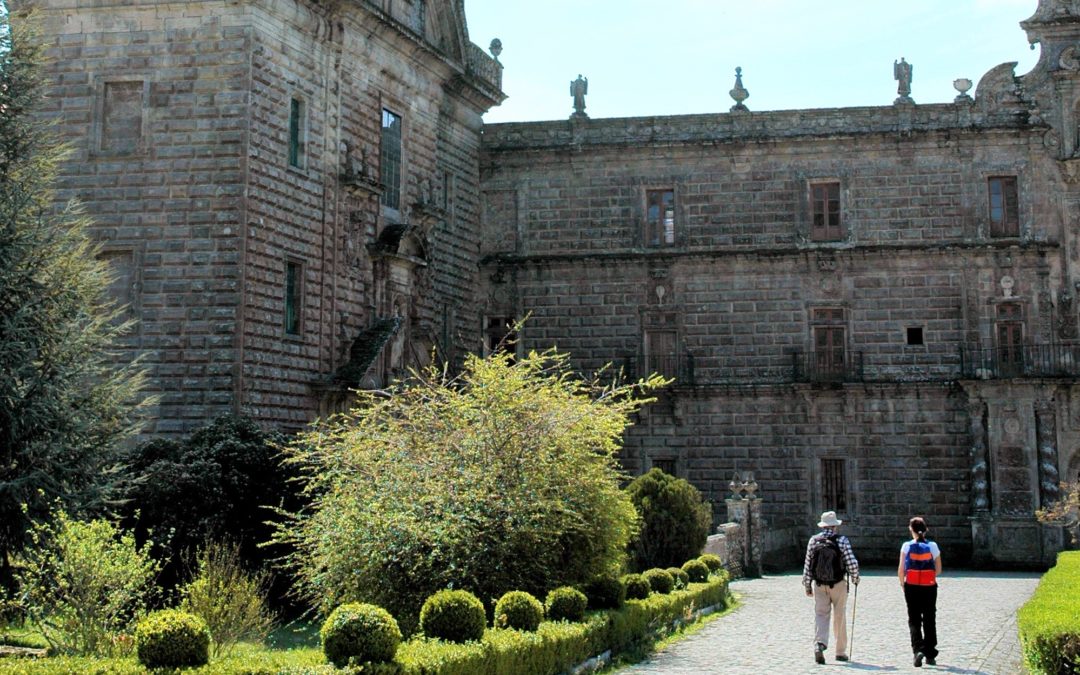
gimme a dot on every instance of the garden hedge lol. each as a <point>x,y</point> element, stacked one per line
<point>554,648</point>
<point>1050,621</point>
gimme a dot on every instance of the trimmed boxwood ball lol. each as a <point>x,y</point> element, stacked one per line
<point>696,570</point>
<point>605,592</point>
<point>520,610</point>
<point>454,616</point>
<point>172,639</point>
<point>712,561</point>
<point>681,578</point>
<point>566,604</point>
<point>659,581</point>
<point>360,632</point>
<point>637,587</point>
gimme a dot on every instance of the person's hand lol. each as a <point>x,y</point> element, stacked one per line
<point>809,593</point>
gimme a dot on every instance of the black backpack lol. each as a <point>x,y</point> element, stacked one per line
<point>827,562</point>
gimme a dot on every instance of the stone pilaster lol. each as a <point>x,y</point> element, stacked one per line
<point>1046,439</point>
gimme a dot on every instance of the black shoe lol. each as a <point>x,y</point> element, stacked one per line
<point>819,653</point>
<point>930,661</point>
<point>841,658</point>
<point>918,659</point>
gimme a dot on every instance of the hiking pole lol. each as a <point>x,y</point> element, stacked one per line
<point>854,606</point>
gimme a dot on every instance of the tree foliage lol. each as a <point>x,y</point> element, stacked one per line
<point>503,478</point>
<point>675,520</point>
<point>1065,511</point>
<point>64,404</point>
<point>218,484</point>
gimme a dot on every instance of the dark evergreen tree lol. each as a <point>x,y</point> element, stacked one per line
<point>675,520</point>
<point>65,406</point>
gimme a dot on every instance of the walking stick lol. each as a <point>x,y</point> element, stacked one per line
<point>854,606</point>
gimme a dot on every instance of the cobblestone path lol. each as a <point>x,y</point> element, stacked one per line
<point>772,632</point>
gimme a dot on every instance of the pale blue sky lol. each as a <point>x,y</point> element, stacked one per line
<point>679,56</point>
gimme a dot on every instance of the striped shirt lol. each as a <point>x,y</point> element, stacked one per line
<point>851,565</point>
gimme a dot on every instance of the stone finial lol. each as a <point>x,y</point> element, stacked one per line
<point>495,48</point>
<point>749,485</point>
<point>962,85</point>
<point>739,93</point>
<point>578,89</point>
<point>902,74</point>
<point>736,486</point>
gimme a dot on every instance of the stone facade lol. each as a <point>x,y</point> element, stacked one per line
<point>230,155</point>
<point>871,309</point>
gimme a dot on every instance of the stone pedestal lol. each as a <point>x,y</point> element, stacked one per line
<point>747,513</point>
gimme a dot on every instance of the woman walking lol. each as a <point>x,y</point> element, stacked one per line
<point>920,565</point>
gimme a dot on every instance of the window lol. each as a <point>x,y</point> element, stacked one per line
<point>296,133</point>
<point>666,464</point>
<point>829,341</point>
<point>1010,337</point>
<point>661,356</point>
<point>915,335</point>
<point>390,160</point>
<point>294,289</point>
<point>825,210</point>
<point>121,117</point>
<point>1004,211</point>
<point>122,284</point>
<point>660,217</point>
<point>499,334</point>
<point>833,485</point>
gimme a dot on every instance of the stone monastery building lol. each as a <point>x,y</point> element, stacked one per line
<point>871,309</point>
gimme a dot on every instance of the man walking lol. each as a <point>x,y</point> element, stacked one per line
<point>828,558</point>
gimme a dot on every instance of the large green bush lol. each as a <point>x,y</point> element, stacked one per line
<point>712,561</point>
<point>216,485</point>
<point>453,615</point>
<point>1049,623</point>
<point>675,520</point>
<point>565,604</point>
<point>502,478</point>
<point>518,610</point>
<point>84,583</point>
<point>172,639</point>
<point>360,633</point>
<point>231,600</point>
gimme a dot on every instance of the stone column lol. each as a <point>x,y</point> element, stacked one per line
<point>755,537</point>
<point>981,520</point>
<point>1046,439</point>
<point>737,547</point>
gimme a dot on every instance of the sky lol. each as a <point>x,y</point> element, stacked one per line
<point>679,56</point>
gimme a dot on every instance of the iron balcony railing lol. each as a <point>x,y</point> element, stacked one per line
<point>1046,360</point>
<point>827,367</point>
<point>679,367</point>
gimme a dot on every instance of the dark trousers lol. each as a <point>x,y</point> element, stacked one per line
<point>922,618</point>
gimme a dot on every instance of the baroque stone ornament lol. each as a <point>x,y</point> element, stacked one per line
<point>1066,316</point>
<point>902,74</point>
<point>1046,437</point>
<point>980,466</point>
<point>739,93</point>
<point>495,48</point>
<point>962,85</point>
<point>578,89</point>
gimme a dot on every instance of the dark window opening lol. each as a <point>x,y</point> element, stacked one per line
<point>390,160</point>
<point>296,140</point>
<point>1004,210</point>
<point>499,335</point>
<point>661,355</point>
<point>666,464</point>
<point>121,121</point>
<point>833,485</point>
<point>660,217</point>
<point>1010,337</point>
<point>915,335</point>
<point>825,209</point>
<point>293,297</point>
<point>829,341</point>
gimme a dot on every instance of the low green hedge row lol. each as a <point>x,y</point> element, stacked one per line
<point>1050,621</point>
<point>554,648</point>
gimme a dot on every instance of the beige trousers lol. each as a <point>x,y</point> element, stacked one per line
<point>831,600</point>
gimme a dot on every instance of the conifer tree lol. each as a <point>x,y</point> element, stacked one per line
<point>65,405</point>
